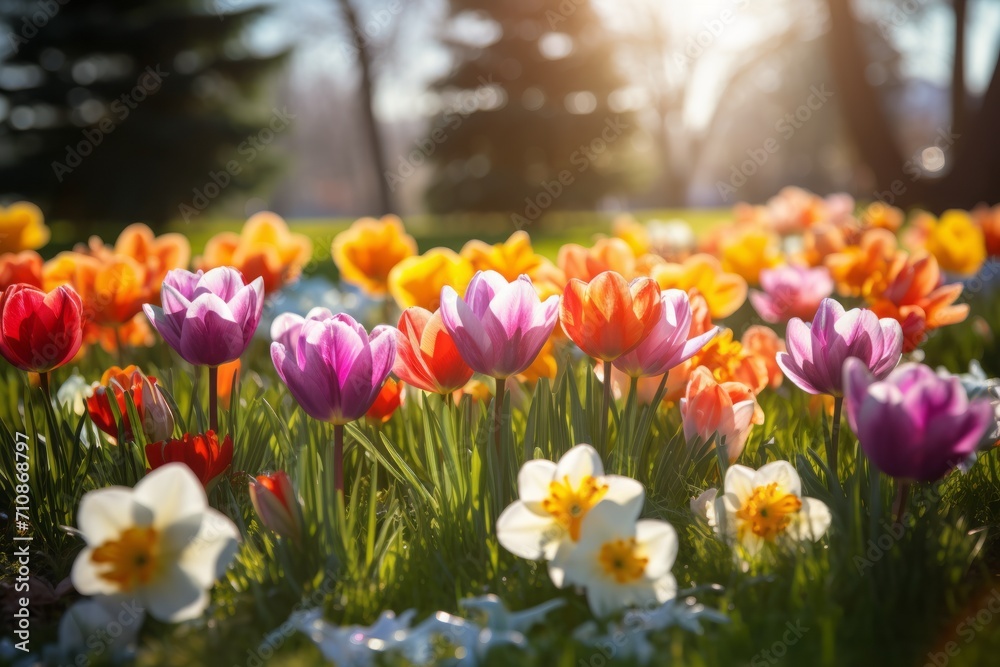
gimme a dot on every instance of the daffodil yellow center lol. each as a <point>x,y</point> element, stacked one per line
<point>768,511</point>
<point>130,560</point>
<point>568,505</point>
<point>621,560</point>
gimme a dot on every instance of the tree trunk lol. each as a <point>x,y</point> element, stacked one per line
<point>958,70</point>
<point>367,97</point>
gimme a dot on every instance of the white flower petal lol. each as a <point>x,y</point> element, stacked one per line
<point>172,492</point>
<point>209,554</point>
<point>665,587</point>
<point>534,479</point>
<point>104,514</point>
<point>811,522</point>
<point>704,506</point>
<point>781,472</point>
<point>525,533</point>
<point>86,578</point>
<point>659,541</point>
<point>740,482</point>
<point>174,596</point>
<point>579,462</point>
<point>626,492</point>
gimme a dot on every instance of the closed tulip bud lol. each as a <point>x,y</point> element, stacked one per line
<point>276,504</point>
<point>157,417</point>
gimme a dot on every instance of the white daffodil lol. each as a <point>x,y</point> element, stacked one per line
<point>554,498</point>
<point>622,562</point>
<point>766,506</point>
<point>160,543</point>
<point>704,506</point>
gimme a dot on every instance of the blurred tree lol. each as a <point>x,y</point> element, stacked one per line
<point>527,120</point>
<point>124,110</point>
<point>971,145</point>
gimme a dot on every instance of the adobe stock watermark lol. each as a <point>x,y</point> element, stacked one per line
<point>148,83</point>
<point>247,152</point>
<point>374,25</point>
<point>711,29</point>
<point>486,92</point>
<point>774,653</point>
<point>914,168</point>
<point>786,127</point>
<point>582,158</point>
<point>897,15</point>
<point>32,22</point>
<point>967,630</point>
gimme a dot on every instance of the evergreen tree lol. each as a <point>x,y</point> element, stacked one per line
<point>526,125</point>
<point>119,110</point>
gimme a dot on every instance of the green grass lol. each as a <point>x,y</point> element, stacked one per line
<point>417,530</point>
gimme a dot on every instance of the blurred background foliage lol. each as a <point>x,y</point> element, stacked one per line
<point>337,108</point>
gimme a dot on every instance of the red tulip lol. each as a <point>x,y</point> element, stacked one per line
<point>274,499</point>
<point>40,331</point>
<point>388,400</point>
<point>426,355</point>
<point>202,453</point>
<point>154,412</point>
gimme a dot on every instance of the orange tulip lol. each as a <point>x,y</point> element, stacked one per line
<point>879,214</point>
<point>724,292</point>
<point>22,267</point>
<point>609,316</point>
<point>227,373</point>
<point>914,297</point>
<point>112,288</point>
<point>728,409</point>
<point>158,254</point>
<point>426,356</point>
<point>22,227</point>
<point>859,270</point>
<point>389,398</point>
<point>820,241</point>
<point>417,281</point>
<point>988,220</point>
<point>580,263</point>
<point>366,252</point>
<point>761,342</point>
<point>264,249</point>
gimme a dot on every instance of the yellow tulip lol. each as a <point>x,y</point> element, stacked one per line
<point>22,227</point>
<point>957,243</point>
<point>749,251</point>
<point>417,281</point>
<point>265,248</point>
<point>510,258</point>
<point>724,292</point>
<point>633,233</point>
<point>366,252</point>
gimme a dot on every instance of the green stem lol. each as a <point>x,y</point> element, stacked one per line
<point>497,430</point>
<point>605,444</point>
<point>46,389</point>
<point>338,459</point>
<point>213,398</point>
<point>902,498</point>
<point>834,446</point>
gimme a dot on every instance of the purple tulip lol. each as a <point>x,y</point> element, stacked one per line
<point>667,345</point>
<point>817,351</point>
<point>500,327</point>
<point>791,291</point>
<point>914,425</point>
<point>333,368</point>
<point>208,318</point>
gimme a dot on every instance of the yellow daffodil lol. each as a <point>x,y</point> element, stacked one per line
<point>623,563</point>
<point>724,292</point>
<point>368,250</point>
<point>555,498</point>
<point>22,227</point>
<point>417,281</point>
<point>760,507</point>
